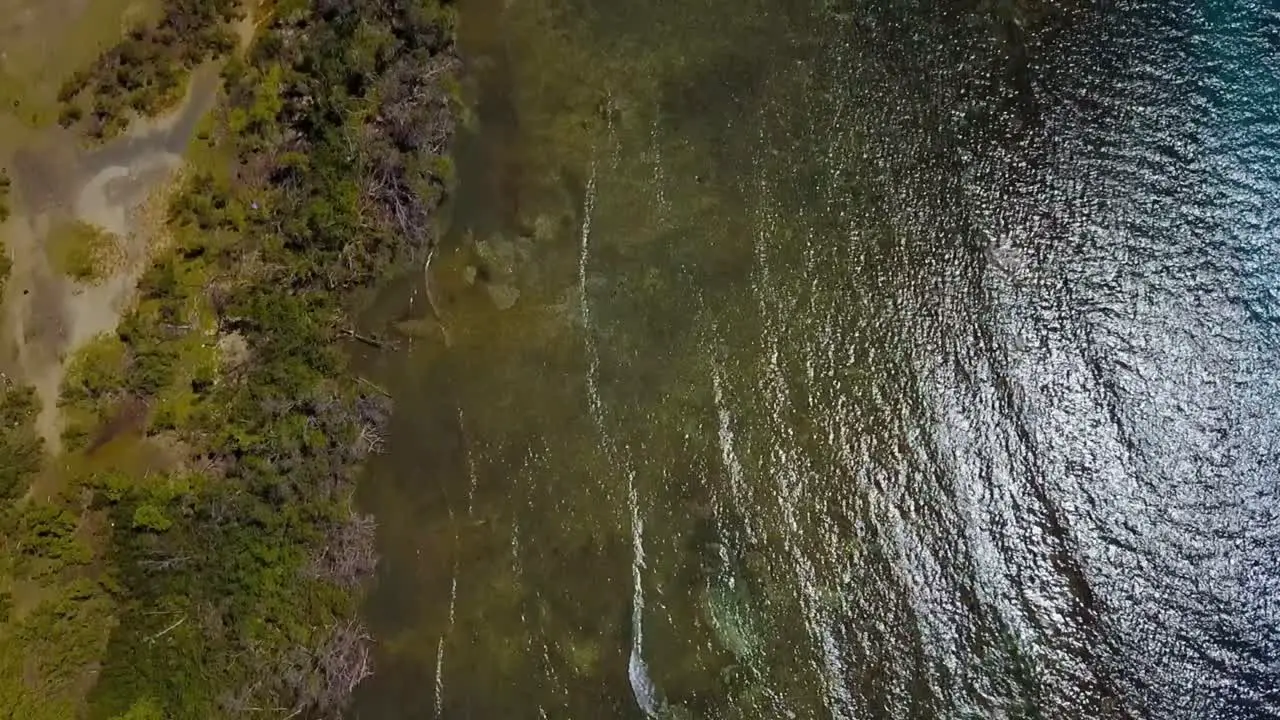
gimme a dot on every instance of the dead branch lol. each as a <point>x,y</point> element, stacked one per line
<point>166,631</point>
<point>426,286</point>
<point>323,679</point>
<point>166,564</point>
<point>370,341</point>
<point>370,441</point>
<point>373,386</point>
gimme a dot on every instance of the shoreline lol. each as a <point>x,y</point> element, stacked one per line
<point>214,562</point>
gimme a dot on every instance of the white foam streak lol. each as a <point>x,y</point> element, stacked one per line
<point>584,302</point>
<point>647,696</point>
<point>728,454</point>
<point>453,600</point>
<point>440,677</point>
<point>472,477</point>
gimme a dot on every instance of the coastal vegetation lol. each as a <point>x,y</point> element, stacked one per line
<point>194,552</point>
<point>54,612</point>
<point>146,72</point>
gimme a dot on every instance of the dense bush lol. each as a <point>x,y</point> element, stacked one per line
<point>146,72</point>
<point>21,451</point>
<point>54,611</point>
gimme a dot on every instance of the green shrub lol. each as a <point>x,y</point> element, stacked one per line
<point>149,518</point>
<point>96,371</point>
<point>143,709</point>
<point>82,251</point>
<point>21,449</point>
<point>147,71</point>
<point>47,531</point>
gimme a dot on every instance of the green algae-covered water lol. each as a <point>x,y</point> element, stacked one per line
<point>843,359</point>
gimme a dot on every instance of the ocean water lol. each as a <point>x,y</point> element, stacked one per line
<point>803,359</point>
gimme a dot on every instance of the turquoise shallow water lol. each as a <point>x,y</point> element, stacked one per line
<point>845,360</point>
